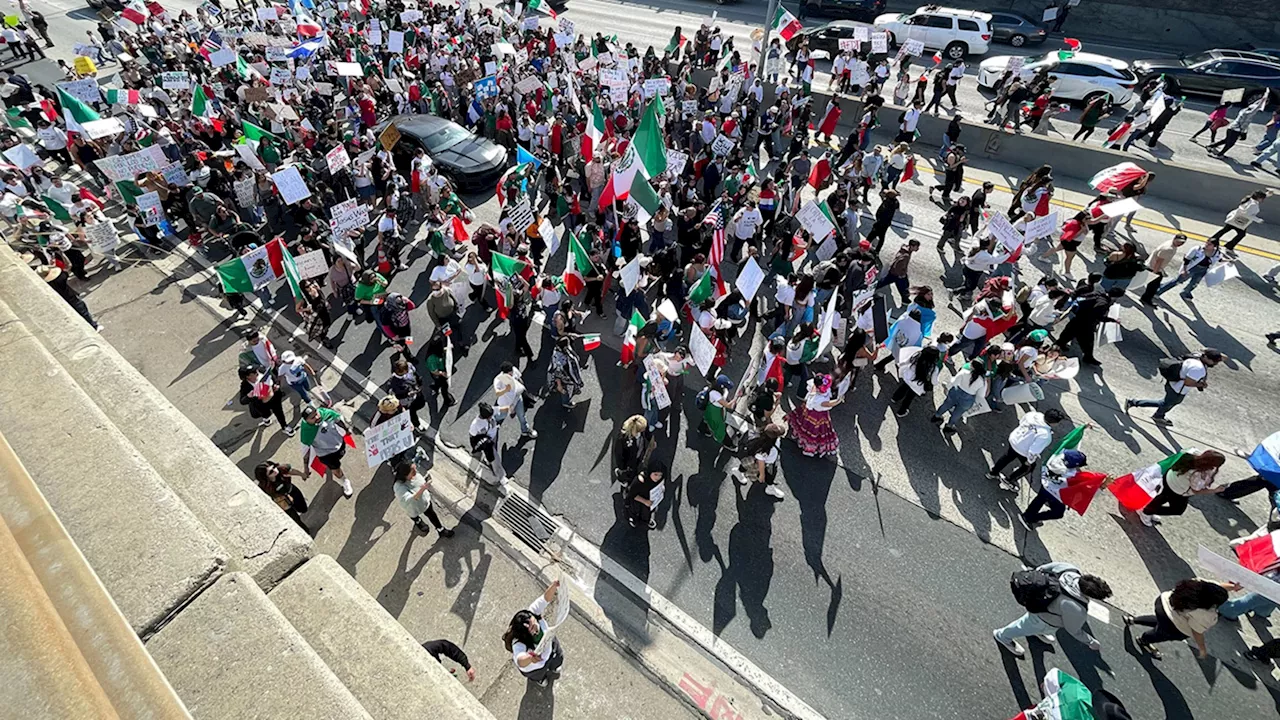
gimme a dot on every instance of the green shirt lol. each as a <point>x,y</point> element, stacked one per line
<point>435,364</point>
<point>369,292</point>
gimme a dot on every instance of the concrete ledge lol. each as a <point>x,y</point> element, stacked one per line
<point>259,538</point>
<point>369,651</point>
<point>231,654</point>
<point>151,553</point>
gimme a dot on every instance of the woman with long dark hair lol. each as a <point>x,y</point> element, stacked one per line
<point>1186,611</point>
<point>918,369</point>
<point>644,494</point>
<point>1192,474</point>
<point>966,387</point>
<point>525,632</point>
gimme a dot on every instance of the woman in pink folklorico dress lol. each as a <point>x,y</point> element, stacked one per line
<point>811,422</point>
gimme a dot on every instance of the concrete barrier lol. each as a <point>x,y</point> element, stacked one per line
<point>68,650</point>
<point>367,649</point>
<point>259,538</point>
<point>1203,188</point>
<point>231,654</point>
<point>151,553</point>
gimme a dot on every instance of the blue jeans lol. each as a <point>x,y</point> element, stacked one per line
<point>519,408</point>
<point>1026,626</point>
<point>1108,283</point>
<point>1192,279</point>
<point>301,387</point>
<point>969,346</point>
<point>946,145</point>
<point>1270,153</point>
<point>958,402</point>
<point>1249,602</point>
<point>1171,399</point>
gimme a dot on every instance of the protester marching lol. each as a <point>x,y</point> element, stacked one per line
<point>695,212</point>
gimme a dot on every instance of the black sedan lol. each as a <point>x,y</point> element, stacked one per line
<point>470,161</point>
<point>827,37</point>
<point>1213,71</point>
<point>865,10</point>
<point>1016,29</point>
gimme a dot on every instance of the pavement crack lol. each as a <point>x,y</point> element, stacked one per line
<point>270,547</point>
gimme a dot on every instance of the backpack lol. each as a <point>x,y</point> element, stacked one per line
<point>1171,369</point>
<point>1034,589</point>
<point>703,398</point>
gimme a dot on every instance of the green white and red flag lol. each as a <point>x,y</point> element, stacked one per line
<point>785,24</point>
<point>1137,489</point>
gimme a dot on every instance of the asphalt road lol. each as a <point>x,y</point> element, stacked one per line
<point>871,591</point>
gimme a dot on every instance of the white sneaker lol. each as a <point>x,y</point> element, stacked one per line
<point>1146,519</point>
<point>264,422</point>
<point>347,490</point>
<point>774,491</point>
<point>1051,639</point>
<point>288,431</point>
<point>657,425</point>
<point>737,475</point>
<point>1012,646</point>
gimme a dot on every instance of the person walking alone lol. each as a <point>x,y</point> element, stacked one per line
<point>1056,597</point>
<point>413,491</point>
<point>1240,218</point>
<point>1180,378</point>
<point>525,632</point>
<point>1186,611</point>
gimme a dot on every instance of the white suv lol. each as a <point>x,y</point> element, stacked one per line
<point>956,32</point>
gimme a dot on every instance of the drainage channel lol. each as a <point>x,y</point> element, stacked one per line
<point>528,522</point>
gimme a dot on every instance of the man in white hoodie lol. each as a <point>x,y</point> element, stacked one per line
<point>1026,442</point>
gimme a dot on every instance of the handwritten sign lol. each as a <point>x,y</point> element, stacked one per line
<point>1042,226</point>
<point>815,221</point>
<point>86,90</point>
<point>848,45</point>
<point>311,264</point>
<point>389,137</point>
<point>879,43</point>
<point>676,161</point>
<point>722,145</point>
<point>176,80</point>
<point>913,47</point>
<point>337,159</point>
<point>293,189</point>
<point>152,211</point>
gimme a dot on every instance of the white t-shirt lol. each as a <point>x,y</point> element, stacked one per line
<point>769,456</point>
<point>509,387</point>
<point>1192,369</point>
<point>786,294</point>
<point>293,372</point>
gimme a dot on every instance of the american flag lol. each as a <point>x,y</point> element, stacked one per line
<point>213,42</point>
<point>717,221</point>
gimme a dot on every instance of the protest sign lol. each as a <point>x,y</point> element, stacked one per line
<point>395,41</point>
<point>749,278</point>
<point>102,237</point>
<point>389,137</point>
<point>913,47</point>
<point>815,221</point>
<point>388,439</point>
<point>86,90</point>
<point>292,187</point>
<point>722,145</point>
<point>1042,226</point>
<point>676,161</point>
<point>703,352</point>
<point>311,264</point>
<point>879,43</point>
<point>337,159</point>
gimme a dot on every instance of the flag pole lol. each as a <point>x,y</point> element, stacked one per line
<point>764,41</point>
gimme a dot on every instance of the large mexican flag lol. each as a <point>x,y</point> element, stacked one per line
<point>257,268</point>
<point>504,267</point>
<point>1065,698</point>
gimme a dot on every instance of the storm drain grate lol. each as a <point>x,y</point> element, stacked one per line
<point>531,524</point>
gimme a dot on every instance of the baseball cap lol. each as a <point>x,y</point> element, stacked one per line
<point>1074,459</point>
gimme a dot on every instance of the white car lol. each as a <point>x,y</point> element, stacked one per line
<point>955,32</point>
<point>1082,76</point>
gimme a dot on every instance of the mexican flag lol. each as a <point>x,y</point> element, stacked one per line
<point>577,267</point>
<point>259,267</point>
<point>629,337</point>
<point>621,175</point>
<point>714,417</point>
<point>650,146</point>
<point>542,6</point>
<point>1137,489</point>
<point>909,171</point>
<point>504,267</point>
<point>307,434</point>
<point>14,119</point>
<point>255,132</point>
<point>1118,135</point>
<point>59,211</point>
<point>245,70</point>
<point>459,230</point>
<point>200,106</point>
<point>820,173</point>
<point>1065,698</point>
<point>1083,485</point>
<point>75,112</point>
<point>590,341</point>
<point>677,41</point>
<point>123,97</point>
<point>646,200</point>
<point>595,132</point>
<point>1260,554</point>
<point>828,125</point>
<point>785,24</point>
<point>702,290</point>
<point>135,12</point>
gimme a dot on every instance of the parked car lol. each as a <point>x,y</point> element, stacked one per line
<point>114,5</point>
<point>1016,29</point>
<point>1084,76</point>
<point>955,32</point>
<point>1271,52</point>
<point>826,38</point>
<point>865,10</point>
<point>470,161</point>
<point>1212,71</point>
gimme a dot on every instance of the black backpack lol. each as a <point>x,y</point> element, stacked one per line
<point>1034,589</point>
<point>1171,369</point>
